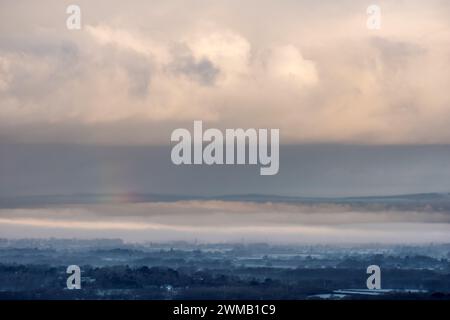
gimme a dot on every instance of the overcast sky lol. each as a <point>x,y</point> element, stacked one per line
<point>360,112</point>
<point>138,69</point>
<point>314,170</point>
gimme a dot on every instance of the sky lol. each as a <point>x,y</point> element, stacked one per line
<point>305,170</point>
<point>138,70</point>
<point>360,112</point>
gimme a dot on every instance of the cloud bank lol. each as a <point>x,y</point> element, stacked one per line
<point>228,221</point>
<point>138,70</point>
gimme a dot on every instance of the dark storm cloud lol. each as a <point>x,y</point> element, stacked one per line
<point>203,70</point>
<point>315,170</point>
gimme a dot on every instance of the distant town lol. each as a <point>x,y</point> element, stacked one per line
<point>113,269</point>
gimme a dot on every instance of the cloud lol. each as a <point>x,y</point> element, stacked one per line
<point>315,71</point>
<point>201,69</point>
<point>230,221</point>
<point>230,214</point>
<point>287,63</point>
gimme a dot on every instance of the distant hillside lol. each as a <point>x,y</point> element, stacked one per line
<point>427,201</point>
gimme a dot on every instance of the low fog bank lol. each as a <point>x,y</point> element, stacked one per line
<point>223,221</point>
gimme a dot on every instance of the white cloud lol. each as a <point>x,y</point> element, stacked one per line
<point>227,50</point>
<point>318,75</point>
<point>287,63</point>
